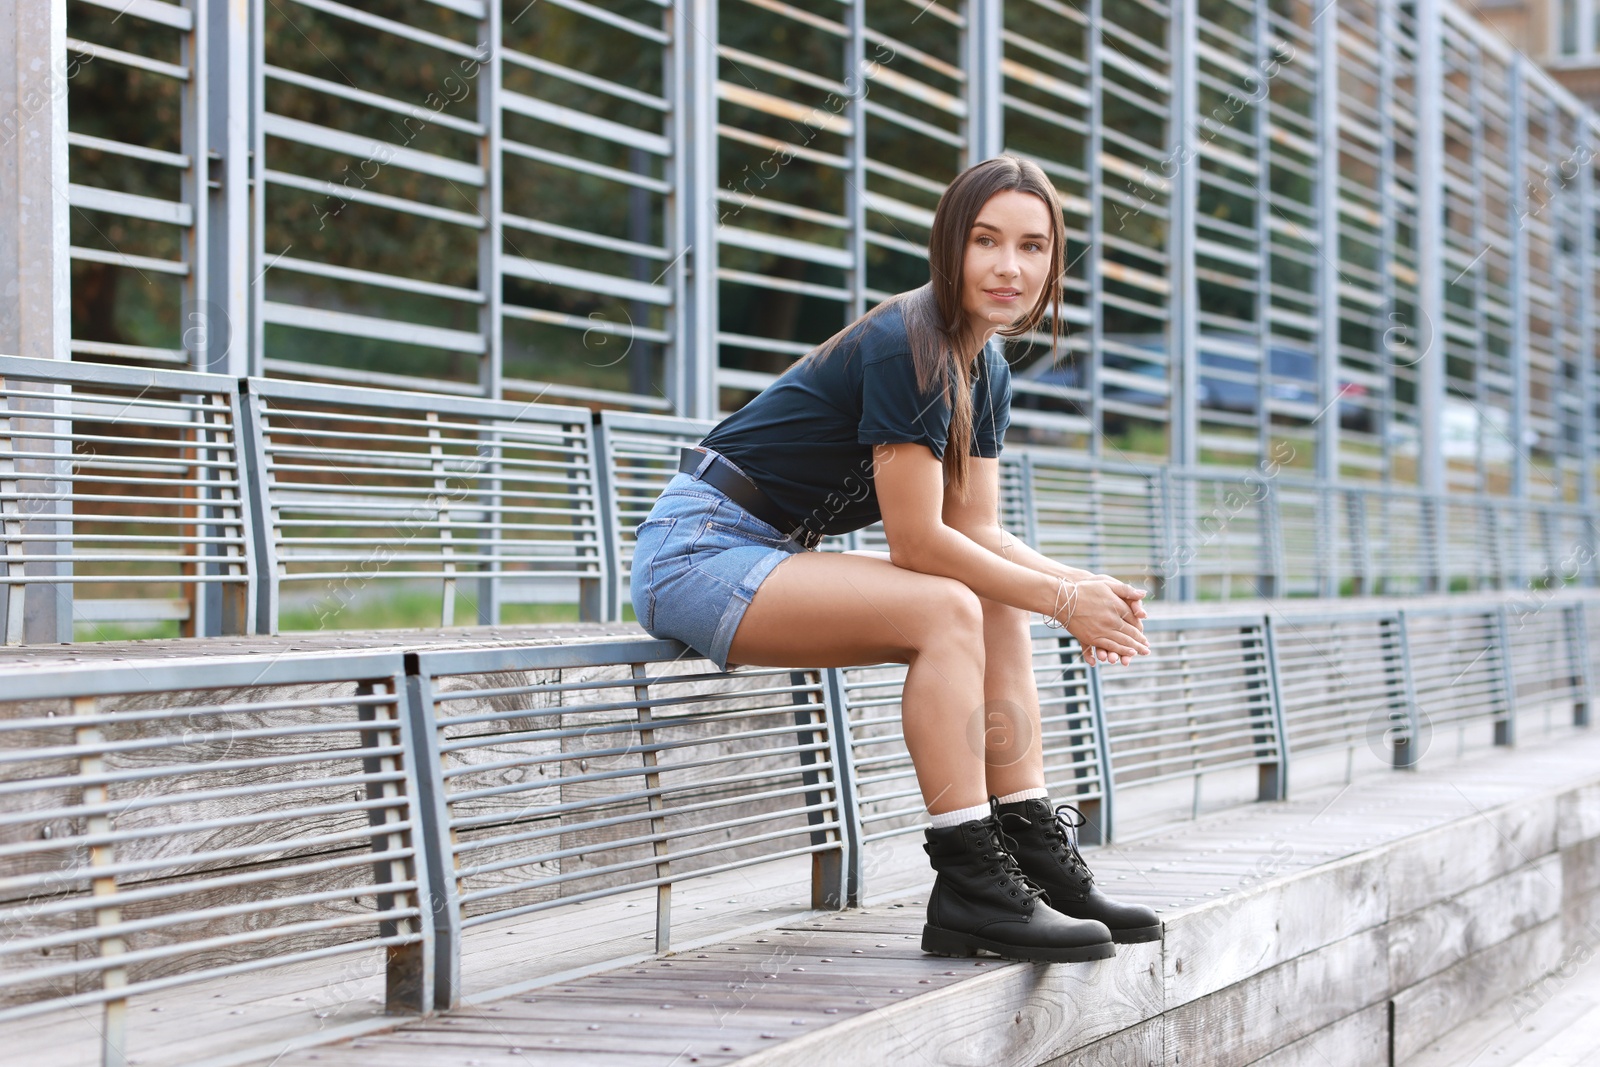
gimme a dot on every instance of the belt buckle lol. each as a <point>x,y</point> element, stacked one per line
<point>809,539</point>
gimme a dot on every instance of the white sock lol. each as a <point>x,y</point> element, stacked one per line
<point>960,815</point>
<point>1038,792</point>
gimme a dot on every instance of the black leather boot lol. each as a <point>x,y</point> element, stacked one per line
<point>981,900</point>
<point>1046,849</point>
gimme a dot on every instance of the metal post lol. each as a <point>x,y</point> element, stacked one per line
<point>1429,162</point>
<point>694,377</point>
<point>1513,573</point>
<point>196,317</point>
<point>230,121</point>
<point>844,762</point>
<point>1505,731</point>
<point>677,206</point>
<point>254,329</point>
<point>254,477</point>
<point>194,189</point>
<point>1093,179</point>
<point>435,840</point>
<point>1272,780</point>
<point>1328,389</point>
<point>1406,752</point>
<point>1260,114</point>
<point>35,69</point>
<point>1578,645</point>
<point>491,283</point>
<point>855,191</point>
<point>1184,371</point>
<point>491,201</point>
<point>658,824</point>
<point>982,50</point>
<point>1587,428</point>
<point>1388,27</point>
<point>1183,350</point>
<point>610,515</point>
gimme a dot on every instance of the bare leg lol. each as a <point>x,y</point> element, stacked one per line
<point>827,609</point>
<point>1013,741</point>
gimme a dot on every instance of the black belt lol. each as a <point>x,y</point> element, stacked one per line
<point>721,474</point>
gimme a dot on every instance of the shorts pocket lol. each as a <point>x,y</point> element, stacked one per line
<point>651,537</point>
<point>745,531</point>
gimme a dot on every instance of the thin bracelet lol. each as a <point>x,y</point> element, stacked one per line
<point>1050,619</point>
<point>1066,590</point>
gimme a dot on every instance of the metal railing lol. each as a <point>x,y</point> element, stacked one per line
<point>361,485</point>
<point>165,810</point>
<point>1073,748</point>
<point>118,481</point>
<point>574,773</point>
<point>181,820</point>
<point>208,495</point>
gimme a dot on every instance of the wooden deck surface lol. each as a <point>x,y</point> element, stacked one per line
<point>854,987</point>
<point>1555,1024</point>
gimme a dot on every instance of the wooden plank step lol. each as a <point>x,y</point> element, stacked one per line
<point>1258,929</point>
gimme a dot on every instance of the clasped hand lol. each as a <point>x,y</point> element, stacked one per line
<point>1105,619</point>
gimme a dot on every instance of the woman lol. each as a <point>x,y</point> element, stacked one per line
<point>855,431</point>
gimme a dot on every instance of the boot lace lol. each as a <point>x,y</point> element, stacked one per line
<point>1005,864</point>
<point>1066,831</point>
<point>1063,831</point>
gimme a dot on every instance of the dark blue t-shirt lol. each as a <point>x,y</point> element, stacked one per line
<point>807,438</point>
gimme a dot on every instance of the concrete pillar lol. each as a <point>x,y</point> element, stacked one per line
<point>35,281</point>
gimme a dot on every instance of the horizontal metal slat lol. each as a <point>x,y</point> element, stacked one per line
<point>351,324</point>
<point>594,125</point>
<point>133,205</point>
<point>585,280</point>
<point>355,195</point>
<point>157,11</point>
<point>367,148</point>
<point>401,29</point>
<point>127,59</point>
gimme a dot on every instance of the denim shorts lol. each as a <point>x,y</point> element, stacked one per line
<point>698,561</point>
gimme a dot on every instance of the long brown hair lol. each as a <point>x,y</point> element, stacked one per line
<point>936,326</point>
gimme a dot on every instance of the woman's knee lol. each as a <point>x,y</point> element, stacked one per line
<point>950,613</point>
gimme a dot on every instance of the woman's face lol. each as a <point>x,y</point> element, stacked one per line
<point>1006,262</point>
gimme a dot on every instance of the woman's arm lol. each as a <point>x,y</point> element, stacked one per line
<point>978,517</point>
<point>910,486</point>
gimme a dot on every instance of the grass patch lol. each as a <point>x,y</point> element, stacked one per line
<point>165,630</point>
<point>417,609</point>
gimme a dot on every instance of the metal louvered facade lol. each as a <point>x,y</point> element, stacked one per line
<point>1354,241</point>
